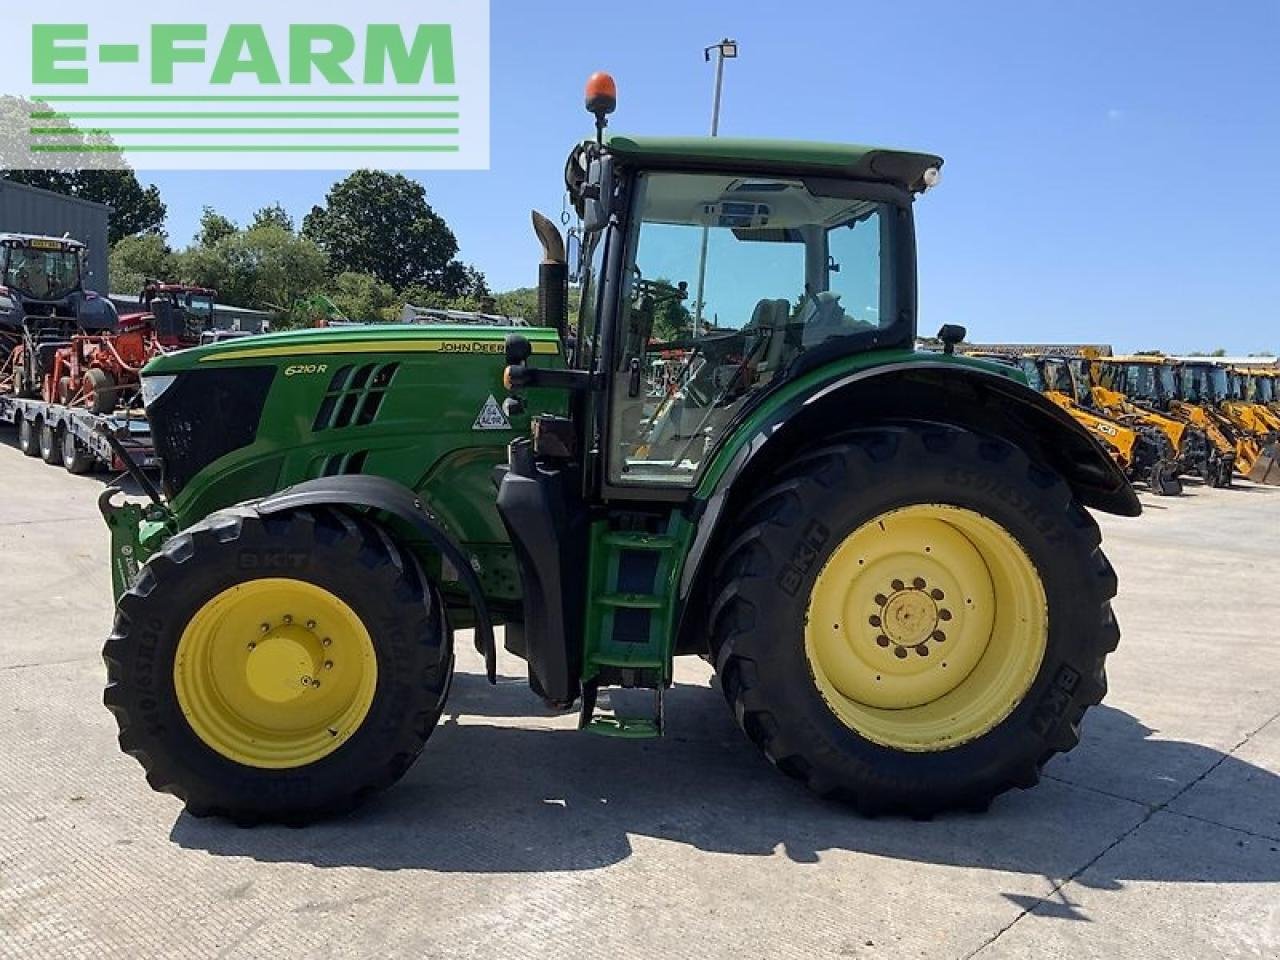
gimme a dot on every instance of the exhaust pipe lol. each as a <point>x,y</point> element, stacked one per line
<point>553,276</point>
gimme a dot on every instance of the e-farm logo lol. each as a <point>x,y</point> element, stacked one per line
<point>249,86</point>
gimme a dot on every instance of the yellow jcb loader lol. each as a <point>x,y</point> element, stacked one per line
<point>1144,453</point>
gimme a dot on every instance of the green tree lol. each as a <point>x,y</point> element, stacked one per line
<point>671,318</point>
<point>214,227</point>
<point>135,260</point>
<point>273,215</point>
<point>380,223</point>
<point>523,302</point>
<point>264,267</point>
<point>361,296</point>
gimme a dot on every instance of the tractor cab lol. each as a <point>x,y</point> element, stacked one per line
<point>178,314</point>
<point>43,304</point>
<point>1202,384</point>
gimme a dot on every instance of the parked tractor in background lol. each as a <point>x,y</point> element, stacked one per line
<point>100,371</point>
<point>1144,453</point>
<point>43,305</point>
<point>885,553</point>
<point>1150,383</point>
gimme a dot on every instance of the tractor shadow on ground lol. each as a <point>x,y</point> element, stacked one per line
<point>499,799</point>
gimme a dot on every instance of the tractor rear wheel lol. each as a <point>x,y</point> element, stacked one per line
<point>279,668</point>
<point>100,391</point>
<point>914,619</point>
<point>28,436</point>
<point>50,443</point>
<point>75,457</point>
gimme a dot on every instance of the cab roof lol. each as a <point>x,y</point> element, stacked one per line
<point>24,239</point>
<point>903,168</point>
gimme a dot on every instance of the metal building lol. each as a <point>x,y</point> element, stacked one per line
<point>26,209</point>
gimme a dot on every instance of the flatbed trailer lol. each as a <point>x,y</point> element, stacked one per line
<point>88,430</point>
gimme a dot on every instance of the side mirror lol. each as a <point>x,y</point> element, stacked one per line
<point>597,195</point>
<point>573,255</point>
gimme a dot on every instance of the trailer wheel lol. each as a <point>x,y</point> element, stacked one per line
<point>50,443</point>
<point>914,619</point>
<point>278,669</point>
<point>28,435</point>
<point>75,457</point>
<point>100,391</point>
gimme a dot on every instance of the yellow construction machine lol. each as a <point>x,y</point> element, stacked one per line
<point>1209,387</point>
<point>1143,452</point>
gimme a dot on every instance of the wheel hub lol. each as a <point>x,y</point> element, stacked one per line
<point>909,617</point>
<point>285,664</point>
<point>923,625</point>
<point>275,689</point>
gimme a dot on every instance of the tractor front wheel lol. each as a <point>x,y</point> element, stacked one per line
<point>278,668</point>
<point>914,619</point>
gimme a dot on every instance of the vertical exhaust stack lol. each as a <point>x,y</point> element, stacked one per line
<point>553,276</point>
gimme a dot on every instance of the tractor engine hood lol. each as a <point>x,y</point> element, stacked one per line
<point>236,420</point>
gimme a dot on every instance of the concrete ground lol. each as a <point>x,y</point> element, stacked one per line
<point>515,836</point>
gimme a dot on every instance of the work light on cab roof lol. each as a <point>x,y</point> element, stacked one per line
<point>602,99</point>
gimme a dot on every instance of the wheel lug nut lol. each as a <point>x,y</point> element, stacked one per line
<point>938,595</point>
<point>939,636</point>
<point>881,599</point>
<point>898,585</point>
<point>944,614</point>
<point>919,583</point>
<point>311,624</point>
<point>900,653</point>
<point>882,640</point>
<point>874,621</point>
<point>266,628</point>
<point>287,619</point>
<point>328,664</point>
<point>252,645</point>
<point>326,642</point>
<point>923,650</point>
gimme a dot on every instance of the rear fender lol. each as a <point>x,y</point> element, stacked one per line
<point>927,390</point>
<point>387,496</point>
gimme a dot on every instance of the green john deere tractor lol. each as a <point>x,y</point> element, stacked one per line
<point>884,553</point>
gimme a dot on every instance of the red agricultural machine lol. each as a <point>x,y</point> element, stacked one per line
<point>100,370</point>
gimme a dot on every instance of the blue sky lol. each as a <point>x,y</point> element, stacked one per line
<point>1111,167</point>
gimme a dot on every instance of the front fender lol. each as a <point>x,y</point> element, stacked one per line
<point>388,496</point>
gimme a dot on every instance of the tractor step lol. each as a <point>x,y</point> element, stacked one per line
<point>605,723</point>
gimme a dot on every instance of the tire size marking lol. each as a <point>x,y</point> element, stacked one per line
<point>273,560</point>
<point>1007,493</point>
<point>803,558</point>
<point>1055,701</point>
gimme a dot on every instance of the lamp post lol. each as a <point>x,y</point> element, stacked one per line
<point>726,49</point>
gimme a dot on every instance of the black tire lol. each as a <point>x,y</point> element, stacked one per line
<point>101,395</point>
<point>28,436</point>
<point>352,558</point>
<point>75,457</point>
<point>50,444</point>
<point>767,572</point>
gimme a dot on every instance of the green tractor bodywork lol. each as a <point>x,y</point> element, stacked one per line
<point>579,485</point>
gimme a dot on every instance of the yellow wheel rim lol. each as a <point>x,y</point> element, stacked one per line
<point>926,627</point>
<point>275,673</point>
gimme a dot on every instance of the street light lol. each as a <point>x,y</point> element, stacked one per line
<point>726,49</point>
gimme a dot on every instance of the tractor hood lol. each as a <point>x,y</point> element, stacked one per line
<point>343,341</point>
<point>240,419</point>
